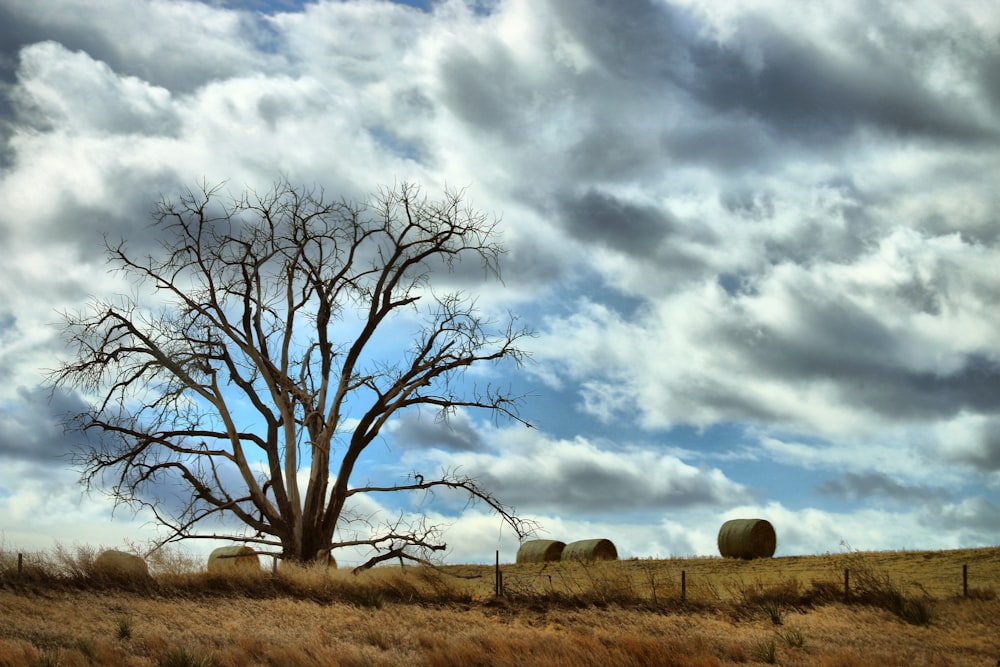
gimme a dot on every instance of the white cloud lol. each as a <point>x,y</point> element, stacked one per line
<point>178,44</point>
<point>42,511</point>
<point>55,83</point>
<point>817,347</point>
<point>772,217</point>
<point>538,473</point>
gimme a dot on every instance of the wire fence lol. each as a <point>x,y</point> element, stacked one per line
<point>667,582</point>
<point>528,584</point>
<point>859,578</point>
<point>15,562</point>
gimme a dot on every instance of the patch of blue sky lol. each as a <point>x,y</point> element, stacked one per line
<point>8,322</point>
<point>564,301</point>
<point>794,487</point>
<point>478,6</point>
<point>419,4</point>
<point>263,6</point>
<point>395,144</point>
<point>280,6</point>
<point>736,284</point>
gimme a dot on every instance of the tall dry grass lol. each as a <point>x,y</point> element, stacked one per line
<point>789,612</point>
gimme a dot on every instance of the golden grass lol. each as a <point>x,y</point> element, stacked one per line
<point>621,613</point>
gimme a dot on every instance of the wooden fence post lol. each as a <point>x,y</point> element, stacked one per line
<point>847,584</point>
<point>498,578</point>
<point>683,585</point>
<point>20,565</point>
<point>965,580</point>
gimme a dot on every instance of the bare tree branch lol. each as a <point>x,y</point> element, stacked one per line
<point>219,380</point>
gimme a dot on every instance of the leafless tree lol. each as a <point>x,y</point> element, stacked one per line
<point>260,361</point>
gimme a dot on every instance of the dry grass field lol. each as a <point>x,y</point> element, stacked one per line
<point>905,609</point>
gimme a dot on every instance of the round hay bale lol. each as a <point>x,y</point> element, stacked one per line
<point>113,563</point>
<point>599,549</point>
<point>747,539</point>
<point>233,559</point>
<point>540,551</point>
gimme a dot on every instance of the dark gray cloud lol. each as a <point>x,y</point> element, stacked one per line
<point>595,487</point>
<point>9,333</point>
<point>747,203</point>
<point>973,387</point>
<point>979,449</point>
<point>128,218</point>
<point>484,91</point>
<point>605,220</point>
<point>978,516</point>
<point>633,40</point>
<point>534,264</point>
<point>32,426</point>
<point>614,148</point>
<point>725,397</point>
<point>735,144</point>
<point>800,91</point>
<point>414,430</point>
<point>667,93</point>
<point>987,69</point>
<point>581,478</point>
<point>840,343</point>
<point>866,486</point>
<point>794,87</point>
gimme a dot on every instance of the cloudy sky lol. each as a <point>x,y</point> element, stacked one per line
<point>759,241</point>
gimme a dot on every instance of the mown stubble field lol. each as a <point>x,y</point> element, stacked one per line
<point>906,609</point>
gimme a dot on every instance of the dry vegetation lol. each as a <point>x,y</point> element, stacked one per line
<point>905,609</point>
